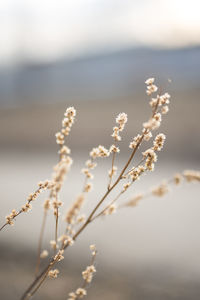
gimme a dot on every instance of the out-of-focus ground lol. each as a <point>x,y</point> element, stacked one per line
<point>148,252</point>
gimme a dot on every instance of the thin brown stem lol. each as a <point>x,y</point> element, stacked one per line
<point>111,175</point>
<point>108,191</point>
<point>38,286</point>
<point>41,277</point>
<point>88,220</point>
<point>92,213</point>
<point>34,283</point>
<point>3,226</point>
<point>40,242</point>
<point>20,211</point>
<point>56,228</point>
<point>141,161</point>
<point>85,283</point>
<point>115,183</point>
<point>112,202</point>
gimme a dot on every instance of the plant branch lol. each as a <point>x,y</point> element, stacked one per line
<point>40,242</point>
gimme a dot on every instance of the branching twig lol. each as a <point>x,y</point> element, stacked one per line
<point>40,242</point>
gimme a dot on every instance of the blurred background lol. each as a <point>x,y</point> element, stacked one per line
<point>95,55</point>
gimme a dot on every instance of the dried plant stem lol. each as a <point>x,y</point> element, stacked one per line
<point>110,179</point>
<point>40,242</point>
<point>21,210</point>
<point>140,162</point>
<point>56,228</point>
<point>3,226</point>
<point>87,276</point>
<point>40,278</point>
<point>38,286</point>
<point>91,263</point>
<point>45,271</point>
<point>112,202</point>
<point>34,283</point>
<point>108,191</point>
<point>89,219</point>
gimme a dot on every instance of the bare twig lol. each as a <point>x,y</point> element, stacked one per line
<point>40,242</point>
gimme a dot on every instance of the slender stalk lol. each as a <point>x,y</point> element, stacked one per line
<point>85,283</point>
<point>110,179</point>
<point>40,242</point>
<point>141,161</point>
<point>3,226</point>
<point>89,219</point>
<point>33,284</point>
<point>56,228</point>
<point>20,211</point>
<point>108,191</point>
<point>113,201</point>
<point>43,275</point>
<point>38,286</point>
<point>45,271</point>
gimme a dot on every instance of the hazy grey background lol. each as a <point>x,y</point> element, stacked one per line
<point>96,55</point>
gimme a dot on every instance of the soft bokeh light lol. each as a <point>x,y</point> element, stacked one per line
<point>48,29</point>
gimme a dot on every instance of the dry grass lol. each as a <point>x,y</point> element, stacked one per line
<point>75,220</point>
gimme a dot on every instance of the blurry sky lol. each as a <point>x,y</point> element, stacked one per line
<point>49,29</point>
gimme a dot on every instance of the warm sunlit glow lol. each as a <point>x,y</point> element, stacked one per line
<point>48,29</point>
